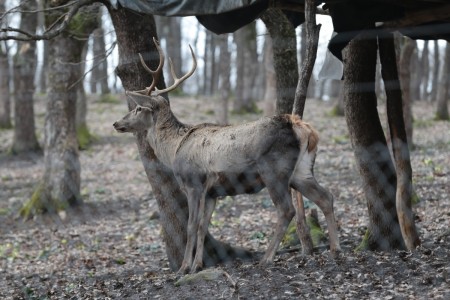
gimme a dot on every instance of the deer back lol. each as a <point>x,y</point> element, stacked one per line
<point>238,148</point>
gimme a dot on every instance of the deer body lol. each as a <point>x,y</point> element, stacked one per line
<point>234,149</point>
<point>212,160</point>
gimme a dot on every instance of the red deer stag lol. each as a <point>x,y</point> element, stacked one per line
<point>211,160</point>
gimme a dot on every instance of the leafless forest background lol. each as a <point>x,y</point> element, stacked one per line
<point>112,247</point>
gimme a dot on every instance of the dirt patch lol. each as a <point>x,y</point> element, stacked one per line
<point>111,247</point>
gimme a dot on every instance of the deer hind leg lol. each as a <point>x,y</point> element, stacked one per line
<point>302,226</point>
<point>303,181</point>
<point>278,189</point>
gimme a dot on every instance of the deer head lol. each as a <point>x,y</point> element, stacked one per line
<point>150,105</point>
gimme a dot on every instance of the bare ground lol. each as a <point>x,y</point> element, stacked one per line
<point>111,248</point>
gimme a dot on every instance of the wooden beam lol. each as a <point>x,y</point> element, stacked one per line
<point>414,18</point>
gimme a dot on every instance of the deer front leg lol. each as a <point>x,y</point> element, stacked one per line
<point>193,197</point>
<point>205,218</point>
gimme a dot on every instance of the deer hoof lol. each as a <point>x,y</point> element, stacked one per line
<point>183,270</point>
<point>307,250</point>
<point>196,268</point>
<point>335,252</point>
<point>265,262</point>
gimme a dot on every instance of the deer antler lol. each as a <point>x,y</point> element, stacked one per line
<point>178,81</point>
<point>156,73</point>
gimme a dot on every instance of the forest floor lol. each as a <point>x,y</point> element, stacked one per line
<point>112,247</point>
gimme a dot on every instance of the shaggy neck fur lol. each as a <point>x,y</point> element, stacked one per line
<point>166,134</point>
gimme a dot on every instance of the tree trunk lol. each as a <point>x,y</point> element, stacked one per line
<point>43,70</point>
<point>240,66</point>
<point>103,68</point>
<point>400,149</point>
<point>404,67</point>
<point>60,186</point>
<point>259,87</point>
<point>246,64</point>
<point>443,88</point>
<point>285,57</point>
<point>173,44</point>
<point>62,167</point>
<point>425,71</point>
<point>339,107</point>
<point>207,62</point>
<point>334,89</point>
<point>214,86</point>
<point>99,72</point>
<point>134,36</point>
<point>169,31</point>
<point>84,137</point>
<point>97,54</point>
<point>369,144</point>
<point>5,99</point>
<point>436,68</point>
<point>81,109</point>
<point>321,87</point>
<point>416,73</point>
<point>94,72</point>
<point>25,139</point>
<point>270,95</point>
<point>43,77</point>
<point>90,28</point>
<point>224,80</point>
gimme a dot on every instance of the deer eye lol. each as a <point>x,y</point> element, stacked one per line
<point>138,109</point>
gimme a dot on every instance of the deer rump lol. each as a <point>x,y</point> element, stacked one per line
<point>237,155</point>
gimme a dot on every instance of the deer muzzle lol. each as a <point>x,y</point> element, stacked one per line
<point>119,127</point>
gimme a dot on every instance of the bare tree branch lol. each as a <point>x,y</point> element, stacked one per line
<point>17,9</point>
<point>54,30</point>
<point>312,34</point>
<point>107,54</point>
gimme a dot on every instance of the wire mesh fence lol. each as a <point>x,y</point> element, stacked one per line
<point>113,247</point>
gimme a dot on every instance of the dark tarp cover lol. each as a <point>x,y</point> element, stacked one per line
<point>218,16</point>
<point>349,16</point>
<point>183,7</point>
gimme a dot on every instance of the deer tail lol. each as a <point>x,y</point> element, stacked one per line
<point>305,132</point>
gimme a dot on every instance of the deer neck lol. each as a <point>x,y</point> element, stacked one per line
<point>165,136</point>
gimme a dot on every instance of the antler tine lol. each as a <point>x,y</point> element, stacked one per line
<point>178,81</point>
<point>155,73</point>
